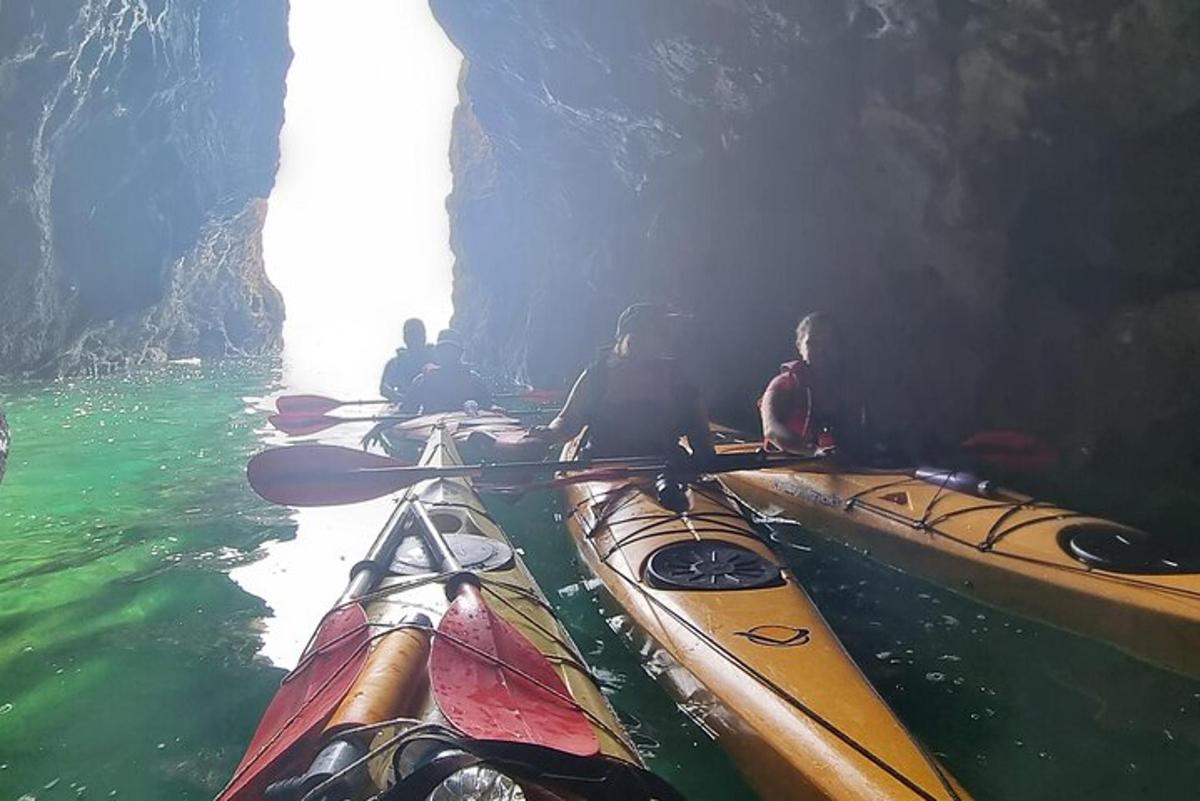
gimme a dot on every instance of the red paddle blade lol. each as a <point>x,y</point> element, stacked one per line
<point>306,404</point>
<point>290,729</point>
<point>317,404</point>
<point>326,475</point>
<point>297,424</point>
<point>502,687</point>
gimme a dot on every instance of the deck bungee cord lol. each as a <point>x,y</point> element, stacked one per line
<point>996,534</point>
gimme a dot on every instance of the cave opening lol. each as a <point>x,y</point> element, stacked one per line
<point>357,237</point>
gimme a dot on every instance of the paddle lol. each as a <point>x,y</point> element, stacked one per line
<point>329,475</point>
<point>488,679</point>
<point>307,698</point>
<point>320,404</point>
<point>298,424</point>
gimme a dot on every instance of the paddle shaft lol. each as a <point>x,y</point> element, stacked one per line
<point>443,554</point>
<point>365,574</point>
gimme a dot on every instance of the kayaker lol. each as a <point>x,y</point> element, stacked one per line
<point>804,406</point>
<point>446,384</point>
<point>408,362</point>
<point>634,400</point>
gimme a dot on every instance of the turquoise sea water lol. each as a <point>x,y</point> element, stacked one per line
<point>132,663</point>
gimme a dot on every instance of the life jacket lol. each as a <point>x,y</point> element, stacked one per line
<point>625,423</point>
<point>447,388</point>
<point>792,391</point>
<point>402,368</point>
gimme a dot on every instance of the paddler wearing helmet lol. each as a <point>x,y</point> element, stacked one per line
<point>805,406</point>
<point>446,384</point>
<point>634,400</point>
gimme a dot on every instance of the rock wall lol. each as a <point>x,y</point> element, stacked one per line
<point>996,198</point>
<point>134,140</point>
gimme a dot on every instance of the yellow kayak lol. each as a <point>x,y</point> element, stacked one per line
<point>746,653</point>
<point>1083,573</point>
<point>393,699</point>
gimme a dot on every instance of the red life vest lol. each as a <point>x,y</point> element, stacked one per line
<point>791,395</point>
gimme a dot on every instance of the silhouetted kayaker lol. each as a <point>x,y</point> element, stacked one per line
<point>805,405</point>
<point>408,362</point>
<point>634,400</point>
<point>446,384</point>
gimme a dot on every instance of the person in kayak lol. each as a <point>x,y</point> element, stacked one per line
<point>446,384</point>
<point>804,407</point>
<point>408,362</point>
<point>633,400</point>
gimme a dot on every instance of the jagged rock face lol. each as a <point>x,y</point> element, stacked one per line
<point>133,140</point>
<point>980,190</point>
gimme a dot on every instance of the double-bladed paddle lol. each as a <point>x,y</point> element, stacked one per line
<point>320,404</point>
<point>330,475</point>
<point>301,423</point>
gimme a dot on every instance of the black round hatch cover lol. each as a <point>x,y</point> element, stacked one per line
<point>1128,550</point>
<point>710,565</point>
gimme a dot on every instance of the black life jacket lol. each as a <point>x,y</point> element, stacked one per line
<point>643,423</point>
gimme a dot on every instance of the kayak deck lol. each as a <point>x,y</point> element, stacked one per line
<point>756,667</point>
<point>1005,549</point>
<point>511,590</point>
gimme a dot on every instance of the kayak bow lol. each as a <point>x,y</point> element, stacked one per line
<point>742,647</point>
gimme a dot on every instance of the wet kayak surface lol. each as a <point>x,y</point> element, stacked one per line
<point>145,609</point>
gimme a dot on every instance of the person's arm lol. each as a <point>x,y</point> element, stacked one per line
<point>573,416</point>
<point>481,394</point>
<point>699,434</point>
<point>386,388</point>
<point>774,409</point>
<point>413,397</point>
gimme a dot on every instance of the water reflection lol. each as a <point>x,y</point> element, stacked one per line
<point>301,578</point>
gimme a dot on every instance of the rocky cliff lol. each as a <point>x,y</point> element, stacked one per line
<point>136,139</point>
<point>996,198</point>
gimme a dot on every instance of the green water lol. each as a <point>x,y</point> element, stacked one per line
<point>129,662</point>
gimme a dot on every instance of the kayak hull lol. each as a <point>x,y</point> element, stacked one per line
<point>1004,550</point>
<point>758,669</point>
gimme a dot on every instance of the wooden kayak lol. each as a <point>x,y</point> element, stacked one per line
<point>1083,573</point>
<point>389,701</point>
<point>739,643</point>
